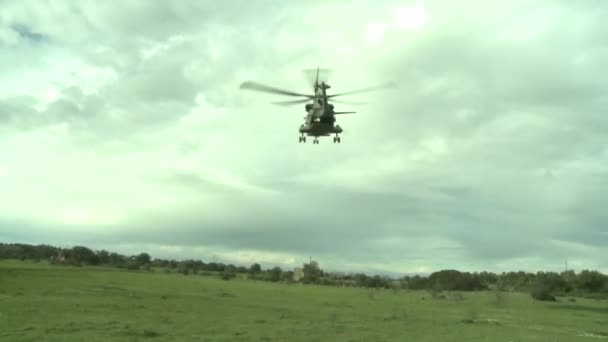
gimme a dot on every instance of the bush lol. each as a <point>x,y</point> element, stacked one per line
<point>274,274</point>
<point>543,293</point>
<point>592,281</point>
<point>452,280</point>
<point>133,265</point>
<point>255,268</point>
<point>228,275</point>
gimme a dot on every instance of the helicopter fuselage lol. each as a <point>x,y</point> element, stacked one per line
<point>320,119</point>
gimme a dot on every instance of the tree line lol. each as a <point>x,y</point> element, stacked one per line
<point>542,285</point>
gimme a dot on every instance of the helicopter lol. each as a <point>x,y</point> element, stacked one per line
<point>320,119</point>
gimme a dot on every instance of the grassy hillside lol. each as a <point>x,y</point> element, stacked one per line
<point>39,302</point>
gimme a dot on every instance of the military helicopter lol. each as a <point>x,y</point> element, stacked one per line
<point>320,118</point>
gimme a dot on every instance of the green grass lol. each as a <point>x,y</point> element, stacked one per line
<point>40,302</point>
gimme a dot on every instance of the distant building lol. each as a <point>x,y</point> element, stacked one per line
<point>298,273</point>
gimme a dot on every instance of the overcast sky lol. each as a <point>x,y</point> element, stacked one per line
<point>122,126</point>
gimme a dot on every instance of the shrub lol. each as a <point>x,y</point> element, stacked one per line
<point>133,265</point>
<point>592,281</point>
<point>452,280</point>
<point>542,292</point>
<point>228,275</point>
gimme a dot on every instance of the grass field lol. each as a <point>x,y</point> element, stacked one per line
<point>40,302</point>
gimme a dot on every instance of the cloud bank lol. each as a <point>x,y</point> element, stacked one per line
<point>123,127</point>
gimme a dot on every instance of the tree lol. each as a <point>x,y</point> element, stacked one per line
<point>188,266</point>
<point>184,268</point>
<point>312,272</point>
<point>488,278</point>
<point>452,280</point>
<point>416,282</point>
<point>117,259</point>
<point>215,267</point>
<point>143,258</point>
<point>104,257</point>
<point>83,255</point>
<point>230,268</point>
<point>274,274</point>
<point>255,268</point>
<point>553,282</point>
<point>287,276</point>
<point>591,281</point>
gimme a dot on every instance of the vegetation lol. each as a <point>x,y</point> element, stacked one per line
<point>41,301</point>
<point>541,285</point>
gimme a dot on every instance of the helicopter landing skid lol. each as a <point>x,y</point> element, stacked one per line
<point>314,141</point>
<point>302,139</point>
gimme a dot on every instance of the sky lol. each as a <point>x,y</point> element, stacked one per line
<point>122,126</point>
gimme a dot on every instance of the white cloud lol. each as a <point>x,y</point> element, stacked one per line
<point>9,37</point>
<point>128,120</point>
<point>375,32</point>
<point>410,17</point>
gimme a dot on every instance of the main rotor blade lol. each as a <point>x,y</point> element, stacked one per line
<point>335,113</point>
<point>348,102</point>
<point>260,87</point>
<point>289,103</point>
<point>380,87</point>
